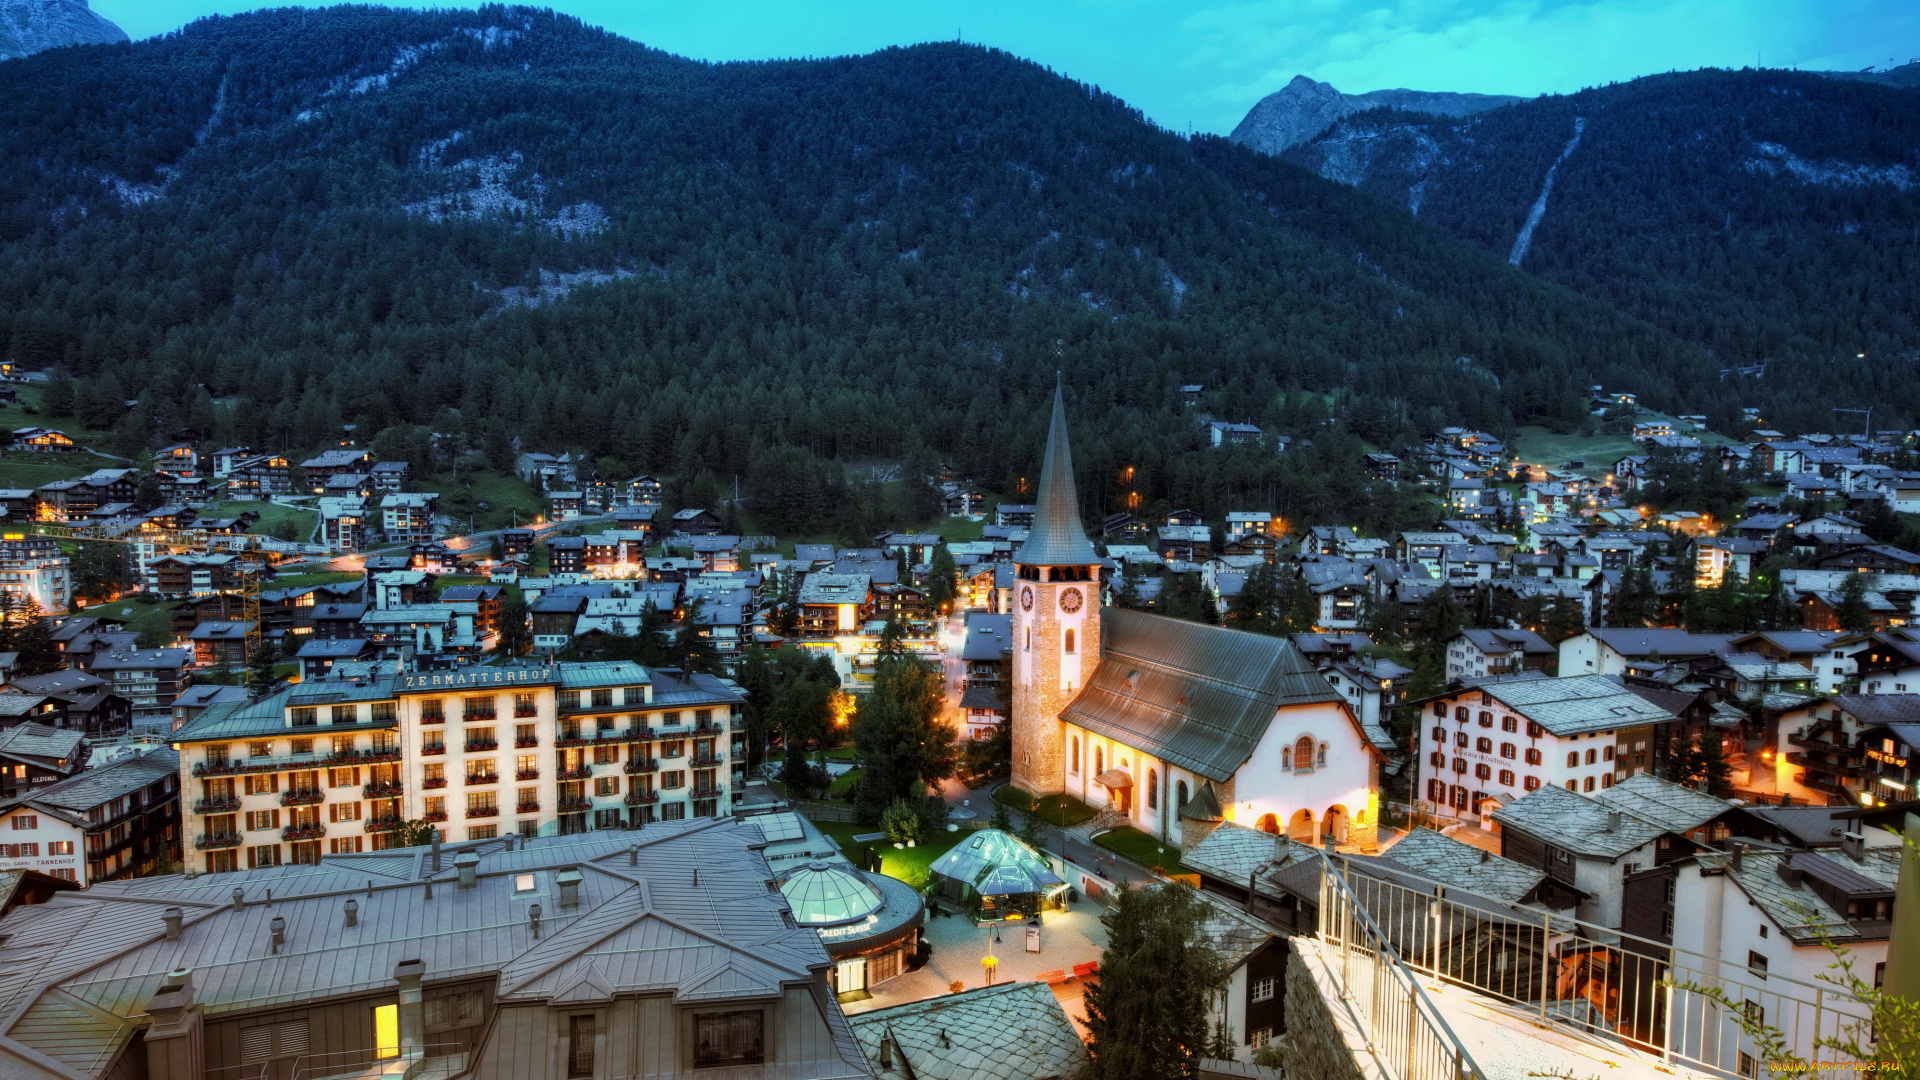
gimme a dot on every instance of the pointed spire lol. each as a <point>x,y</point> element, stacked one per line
<point>1057,538</point>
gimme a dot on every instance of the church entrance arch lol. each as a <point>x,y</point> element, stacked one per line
<point>1335,824</point>
<point>1301,828</point>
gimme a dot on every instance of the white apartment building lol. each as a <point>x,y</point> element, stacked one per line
<point>339,766</point>
<point>1483,747</point>
<point>35,567</point>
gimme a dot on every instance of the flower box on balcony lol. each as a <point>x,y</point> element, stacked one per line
<point>524,743</point>
<point>303,797</point>
<point>434,815</point>
<point>527,774</point>
<point>642,798</point>
<point>303,832</point>
<point>707,762</point>
<point>574,806</point>
<point>216,806</point>
<point>524,711</point>
<point>483,811</point>
<point>488,745</point>
<point>643,765</point>
<point>217,840</point>
<point>433,748</point>
<point>580,773</point>
<point>527,808</point>
<point>383,824</point>
<point>387,790</point>
<point>434,782</point>
<point>641,734</point>
<point>572,740</point>
<point>708,792</point>
<point>708,728</point>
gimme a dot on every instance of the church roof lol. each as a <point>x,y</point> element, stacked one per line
<point>1057,538</point>
<point>1198,696</point>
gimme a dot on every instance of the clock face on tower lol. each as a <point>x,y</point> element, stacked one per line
<point>1026,598</point>
<point>1070,601</point>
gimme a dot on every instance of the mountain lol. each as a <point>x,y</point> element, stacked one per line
<point>503,224</point>
<point>1303,108</point>
<point>28,26</point>
<point>1770,216</point>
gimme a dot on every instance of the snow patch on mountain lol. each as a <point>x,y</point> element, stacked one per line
<point>490,193</point>
<point>1775,159</point>
<point>555,285</point>
<point>1525,240</point>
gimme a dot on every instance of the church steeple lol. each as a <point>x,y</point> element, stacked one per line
<point>1057,537</point>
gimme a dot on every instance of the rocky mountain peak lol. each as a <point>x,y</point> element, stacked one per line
<point>28,26</point>
<point>1304,107</point>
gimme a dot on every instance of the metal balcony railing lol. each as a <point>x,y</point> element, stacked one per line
<point>383,824</point>
<point>384,789</point>
<point>483,811</point>
<point>579,773</point>
<point>1387,938</point>
<point>217,806</point>
<point>574,806</point>
<point>643,798</point>
<point>642,765</point>
<point>526,774</point>
<point>303,797</point>
<point>209,841</point>
<point>303,832</point>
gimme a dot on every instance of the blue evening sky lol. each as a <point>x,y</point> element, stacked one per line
<point>1203,63</point>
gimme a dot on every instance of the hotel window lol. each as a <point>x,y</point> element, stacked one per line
<point>1573,759</point>
<point>1508,723</point>
<point>1506,777</point>
<point>603,698</point>
<point>1484,746</point>
<point>342,714</point>
<point>729,1038</point>
<point>1508,750</point>
<point>384,712</point>
<point>1532,783</point>
<point>260,749</point>
<point>482,832</point>
<point>433,711</point>
<point>305,716</point>
<point>478,708</point>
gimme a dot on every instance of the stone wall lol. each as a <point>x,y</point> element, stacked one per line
<point>1323,1041</point>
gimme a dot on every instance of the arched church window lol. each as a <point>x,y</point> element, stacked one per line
<point>1070,641</point>
<point>1181,789</point>
<point>1153,789</point>
<point>1074,757</point>
<point>1099,761</point>
<point>1303,754</point>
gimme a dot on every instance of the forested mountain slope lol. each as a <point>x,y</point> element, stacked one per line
<point>503,222</point>
<point>1767,215</point>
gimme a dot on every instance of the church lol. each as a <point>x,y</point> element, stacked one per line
<point>1171,726</point>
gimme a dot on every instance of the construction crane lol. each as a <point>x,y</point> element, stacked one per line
<point>1868,411</point>
<point>252,560</point>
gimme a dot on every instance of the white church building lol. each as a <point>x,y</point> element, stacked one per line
<point>1171,726</point>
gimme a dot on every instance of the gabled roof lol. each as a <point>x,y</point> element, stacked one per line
<point>73,797</point>
<point>1198,696</point>
<point>694,919</point>
<point>1443,858</point>
<point>42,743</point>
<point>1577,704</point>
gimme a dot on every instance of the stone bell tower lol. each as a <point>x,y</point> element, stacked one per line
<point>1056,618</point>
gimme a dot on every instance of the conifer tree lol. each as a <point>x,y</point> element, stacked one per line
<point>1148,1016</point>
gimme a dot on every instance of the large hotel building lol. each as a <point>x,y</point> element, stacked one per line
<point>342,765</point>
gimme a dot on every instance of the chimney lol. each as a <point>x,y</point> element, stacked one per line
<point>1613,821</point>
<point>175,1049</point>
<point>436,850</point>
<point>171,917</point>
<point>1854,846</point>
<point>239,898</point>
<point>569,882</point>
<point>1485,855</point>
<point>633,855</point>
<point>413,1043</point>
<point>1788,872</point>
<point>278,929</point>
<point>533,920</point>
<point>353,912</point>
<point>469,866</point>
<point>1736,863</point>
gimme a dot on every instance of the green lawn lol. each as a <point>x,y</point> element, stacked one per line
<point>1061,810</point>
<point>26,469</point>
<point>271,514</point>
<point>507,500</point>
<point>17,416</point>
<point>1141,848</point>
<point>1538,446</point>
<point>908,864</point>
<point>140,618</point>
<point>295,581</point>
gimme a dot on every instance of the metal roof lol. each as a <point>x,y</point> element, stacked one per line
<point>1577,704</point>
<point>692,917</point>
<point>1200,697</point>
<point>1057,537</point>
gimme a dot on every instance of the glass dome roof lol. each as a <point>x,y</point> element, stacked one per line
<point>828,894</point>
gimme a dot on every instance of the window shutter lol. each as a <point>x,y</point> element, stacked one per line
<point>256,1044</point>
<point>293,1038</point>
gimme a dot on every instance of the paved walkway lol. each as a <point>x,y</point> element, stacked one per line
<point>1073,936</point>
